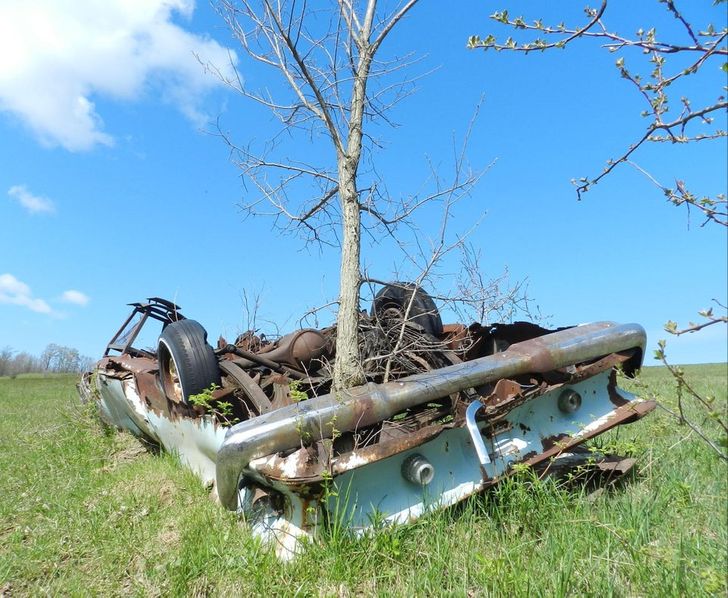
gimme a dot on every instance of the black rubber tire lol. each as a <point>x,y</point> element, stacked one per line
<point>187,364</point>
<point>423,311</point>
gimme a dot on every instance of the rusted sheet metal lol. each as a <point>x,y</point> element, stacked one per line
<point>504,392</point>
<point>617,466</point>
<point>152,395</point>
<point>303,466</point>
<point>320,417</point>
<point>386,449</point>
<point>614,396</point>
<point>195,439</point>
<point>622,415</point>
<point>584,465</point>
<point>456,336</point>
<point>299,467</point>
<point>250,388</point>
<point>605,363</point>
<point>458,473</point>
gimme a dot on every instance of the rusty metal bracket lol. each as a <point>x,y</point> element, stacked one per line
<point>472,426</point>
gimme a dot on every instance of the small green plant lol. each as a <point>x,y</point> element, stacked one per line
<point>520,468</point>
<point>222,410</point>
<point>303,433</point>
<point>295,392</point>
<point>335,432</point>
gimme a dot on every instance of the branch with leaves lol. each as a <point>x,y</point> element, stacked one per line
<point>697,46</point>
<point>710,319</point>
<point>685,389</point>
<point>705,404</point>
<point>669,64</point>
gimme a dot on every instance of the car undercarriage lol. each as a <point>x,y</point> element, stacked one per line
<point>446,410</point>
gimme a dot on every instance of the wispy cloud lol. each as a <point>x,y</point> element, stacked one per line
<point>58,57</point>
<point>16,292</point>
<point>35,204</point>
<point>75,297</point>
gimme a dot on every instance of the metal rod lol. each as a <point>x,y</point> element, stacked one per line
<point>249,357</point>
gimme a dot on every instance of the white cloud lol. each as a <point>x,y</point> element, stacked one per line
<point>57,56</point>
<point>35,204</point>
<point>75,297</point>
<point>15,292</point>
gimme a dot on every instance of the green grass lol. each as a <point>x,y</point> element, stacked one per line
<point>87,511</point>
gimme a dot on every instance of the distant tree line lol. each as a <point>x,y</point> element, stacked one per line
<point>54,359</point>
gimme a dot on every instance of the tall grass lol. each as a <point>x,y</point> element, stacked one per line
<point>84,510</point>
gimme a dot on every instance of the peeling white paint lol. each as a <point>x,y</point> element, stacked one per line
<point>352,461</point>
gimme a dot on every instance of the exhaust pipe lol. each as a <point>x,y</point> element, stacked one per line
<point>366,405</point>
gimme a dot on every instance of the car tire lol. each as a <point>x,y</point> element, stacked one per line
<point>187,364</point>
<point>397,296</point>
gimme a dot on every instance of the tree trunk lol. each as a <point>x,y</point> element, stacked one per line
<point>348,370</point>
<point>347,366</point>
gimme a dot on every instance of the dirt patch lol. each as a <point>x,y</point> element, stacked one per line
<point>166,492</point>
<point>168,539</point>
<point>126,449</point>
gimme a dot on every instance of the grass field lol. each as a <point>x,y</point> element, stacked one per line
<point>88,512</point>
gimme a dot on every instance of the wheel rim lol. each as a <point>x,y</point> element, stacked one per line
<point>170,377</point>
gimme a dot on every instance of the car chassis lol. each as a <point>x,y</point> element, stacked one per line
<point>447,411</point>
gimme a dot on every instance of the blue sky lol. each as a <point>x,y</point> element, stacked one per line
<point>111,190</point>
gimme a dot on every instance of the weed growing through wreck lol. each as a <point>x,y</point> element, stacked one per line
<point>93,386</point>
<point>221,410</point>
<point>336,530</point>
<point>335,433</point>
<point>86,512</point>
<point>294,391</point>
<point>303,434</point>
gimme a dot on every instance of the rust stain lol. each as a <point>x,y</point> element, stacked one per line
<point>152,395</point>
<point>614,396</point>
<point>505,390</point>
<point>558,440</point>
<point>602,365</point>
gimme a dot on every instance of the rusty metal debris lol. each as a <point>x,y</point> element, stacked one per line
<point>447,410</point>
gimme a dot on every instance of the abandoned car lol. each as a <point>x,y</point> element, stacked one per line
<point>447,410</point>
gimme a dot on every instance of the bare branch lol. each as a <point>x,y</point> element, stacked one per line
<point>680,122</point>
<point>678,15</point>
<point>392,22</point>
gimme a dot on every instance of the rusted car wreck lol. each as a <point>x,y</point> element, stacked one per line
<point>447,411</point>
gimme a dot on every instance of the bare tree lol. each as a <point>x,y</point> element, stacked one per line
<point>24,363</point>
<point>54,358</point>
<point>49,357</point>
<point>6,360</point>
<point>336,86</point>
